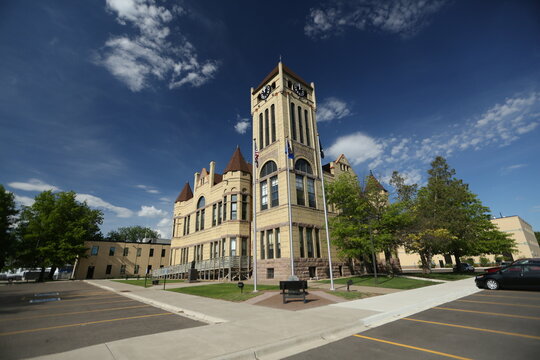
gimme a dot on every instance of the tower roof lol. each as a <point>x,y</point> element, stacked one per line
<point>237,163</point>
<point>372,181</point>
<point>274,73</point>
<point>185,194</point>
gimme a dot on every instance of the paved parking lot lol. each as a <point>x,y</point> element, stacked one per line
<point>487,325</point>
<point>47,318</point>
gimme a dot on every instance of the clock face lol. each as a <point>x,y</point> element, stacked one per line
<point>265,92</point>
<point>299,90</point>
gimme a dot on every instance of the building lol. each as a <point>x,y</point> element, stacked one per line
<point>522,233</point>
<point>110,259</point>
<point>213,221</point>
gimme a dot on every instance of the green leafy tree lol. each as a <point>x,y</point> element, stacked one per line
<point>537,234</point>
<point>53,230</point>
<point>132,234</point>
<point>8,213</point>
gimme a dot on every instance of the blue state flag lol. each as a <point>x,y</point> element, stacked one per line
<point>288,150</point>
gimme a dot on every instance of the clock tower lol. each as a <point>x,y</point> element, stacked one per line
<point>291,237</point>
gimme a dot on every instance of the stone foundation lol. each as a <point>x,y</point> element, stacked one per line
<point>304,268</point>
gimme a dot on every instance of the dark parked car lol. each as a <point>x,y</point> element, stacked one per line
<point>519,275</point>
<point>508,263</point>
<point>464,267</point>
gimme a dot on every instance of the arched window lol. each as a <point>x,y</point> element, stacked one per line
<point>304,182</point>
<point>199,220</point>
<point>303,166</point>
<point>269,168</point>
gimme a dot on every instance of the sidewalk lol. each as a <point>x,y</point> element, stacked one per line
<point>245,331</point>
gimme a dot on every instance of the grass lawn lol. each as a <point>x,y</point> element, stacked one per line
<point>444,276</point>
<point>352,295</point>
<point>140,282</point>
<point>384,282</point>
<point>229,292</point>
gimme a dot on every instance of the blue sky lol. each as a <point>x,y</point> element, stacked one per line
<point>122,101</point>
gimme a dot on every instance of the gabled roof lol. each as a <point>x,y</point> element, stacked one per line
<point>237,163</point>
<point>275,71</point>
<point>185,194</point>
<point>372,181</point>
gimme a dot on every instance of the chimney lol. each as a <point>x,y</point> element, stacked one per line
<point>196,180</point>
<point>212,172</point>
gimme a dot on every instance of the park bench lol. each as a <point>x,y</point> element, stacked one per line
<point>293,289</point>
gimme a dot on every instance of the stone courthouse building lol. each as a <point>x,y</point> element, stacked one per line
<point>213,221</point>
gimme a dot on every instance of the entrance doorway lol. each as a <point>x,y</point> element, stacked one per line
<point>90,272</point>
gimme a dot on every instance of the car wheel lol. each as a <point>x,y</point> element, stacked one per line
<point>492,284</point>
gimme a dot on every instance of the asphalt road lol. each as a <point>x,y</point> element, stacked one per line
<point>488,325</point>
<point>33,322</point>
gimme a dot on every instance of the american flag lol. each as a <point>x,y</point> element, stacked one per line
<point>256,157</point>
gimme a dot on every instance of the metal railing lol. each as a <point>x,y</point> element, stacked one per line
<point>225,262</point>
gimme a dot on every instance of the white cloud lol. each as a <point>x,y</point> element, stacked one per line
<point>242,125</point>
<point>33,185</point>
<point>136,60</point>
<point>405,17</point>
<point>357,147</point>
<point>332,109</point>
<point>510,168</point>
<point>24,200</point>
<point>500,125</point>
<point>151,211</point>
<point>96,202</point>
<point>165,199</point>
<point>164,228</point>
<point>148,189</point>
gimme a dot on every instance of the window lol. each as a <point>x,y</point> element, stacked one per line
<point>223,246</point>
<point>262,246</point>
<point>270,243</point>
<point>233,206</point>
<point>139,251</point>
<point>108,270</point>
<point>309,241</point>
<point>303,166</point>
<point>293,122</point>
<point>112,250</point>
<point>268,168</point>
<point>202,219</point>
<point>126,251</point>
<point>244,207</point>
<point>300,200</point>
<point>301,240</point>
<point>311,192</point>
<point>317,244</point>
<point>224,208</point>
<point>244,247</point>
<point>233,246</point>
<point>261,131</point>
<point>264,195</point>
<point>163,252</point>
<point>95,250</point>
<point>199,219</point>
<point>220,205</point>
<point>274,191</point>
<point>136,269</point>
<point>312,271</point>
<point>151,254</point>
<point>267,128</point>
<point>270,273</point>
<point>122,269</point>
<point>278,244</point>
<point>273,122</point>
<point>214,215</point>
<point>148,269</point>
<point>301,128</point>
<point>308,141</point>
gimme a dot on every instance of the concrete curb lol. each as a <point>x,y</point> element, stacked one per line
<point>195,315</point>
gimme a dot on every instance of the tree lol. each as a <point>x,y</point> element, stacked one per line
<point>8,211</point>
<point>446,203</point>
<point>537,234</point>
<point>53,230</point>
<point>132,234</point>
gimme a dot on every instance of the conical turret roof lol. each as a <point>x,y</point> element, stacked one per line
<point>185,194</point>
<point>237,163</point>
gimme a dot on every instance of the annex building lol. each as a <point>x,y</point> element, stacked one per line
<point>213,221</point>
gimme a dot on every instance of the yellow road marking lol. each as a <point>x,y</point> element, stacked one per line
<point>489,313</point>
<point>477,329</point>
<point>80,324</point>
<point>412,347</point>
<point>75,312</point>
<point>506,296</point>
<point>498,303</point>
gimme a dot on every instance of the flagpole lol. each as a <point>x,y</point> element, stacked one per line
<point>254,200</point>
<point>325,217</point>
<point>289,206</point>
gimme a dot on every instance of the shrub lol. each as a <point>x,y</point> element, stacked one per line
<point>484,261</point>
